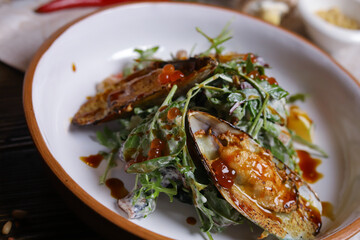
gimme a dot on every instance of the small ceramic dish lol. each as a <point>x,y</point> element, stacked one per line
<point>328,36</point>
<point>67,67</point>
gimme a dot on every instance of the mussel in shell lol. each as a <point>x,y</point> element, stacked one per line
<point>259,186</point>
<point>141,89</point>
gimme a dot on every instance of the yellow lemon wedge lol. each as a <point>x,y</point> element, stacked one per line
<point>299,122</point>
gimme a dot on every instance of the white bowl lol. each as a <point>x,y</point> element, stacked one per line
<point>330,37</point>
<point>100,44</point>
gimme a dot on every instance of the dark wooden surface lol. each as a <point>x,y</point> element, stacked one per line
<point>26,183</point>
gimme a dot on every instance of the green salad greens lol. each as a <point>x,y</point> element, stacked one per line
<point>153,141</point>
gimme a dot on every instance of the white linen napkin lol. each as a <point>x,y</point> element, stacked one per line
<point>22,31</point>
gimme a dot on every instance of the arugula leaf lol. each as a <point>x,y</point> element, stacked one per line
<point>170,131</point>
<point>249,65</point>
<point>108,138</point>
<point>111,163</point>
<point>146,55</point>
<point>151,184</point>
<point>151,164</point>
<point>225,214</point>
<point>275,91</point>
<point>145,58</point>
<point>297,97</point>
<point>224,36</point>
<point>276,111</point>
<point>199,200</point>
<point>146,191</point>
<point>302,141</point>
<point>112,140</point>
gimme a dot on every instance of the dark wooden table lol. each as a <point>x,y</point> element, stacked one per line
<point>26,183</point>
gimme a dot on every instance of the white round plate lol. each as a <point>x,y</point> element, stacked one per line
<point>100,44</point>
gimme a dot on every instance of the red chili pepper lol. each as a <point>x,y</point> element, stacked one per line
<point>56,5</point>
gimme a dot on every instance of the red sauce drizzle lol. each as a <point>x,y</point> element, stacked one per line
<point>169,136</point>
<point>191,220</point>
<point>328,210</point>
<point>117,188</point>
<point>162,108</point>
<point>92,160</point>
<point>156,148</point>
<point>234,120</point>
<point>169,127</point>
<point>173,113</point>
<point>308,167</point>
<point>140,157</point>
<point>224,175</point>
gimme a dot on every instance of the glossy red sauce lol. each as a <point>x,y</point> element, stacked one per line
<point>156,148</point>
<point>224,175</point>
<point>257,172</point>
<point>308,167</point>
<point>328,210</point>
<point>191,220</point>
<point>92,160</point>
<point>140,157</point>
<point>117,188</point>
<point>162,108</point>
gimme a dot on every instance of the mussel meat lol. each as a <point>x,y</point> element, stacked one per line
<point>141,89</point>
<point>259,186</point>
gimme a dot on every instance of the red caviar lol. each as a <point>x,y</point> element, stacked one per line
<point>169,74</point>
<point>252,57</point>
<point>173,113</point>
<point>164,78</point>
<point>168,68</point>
<point>176,75</point>
<point>270,80</point>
